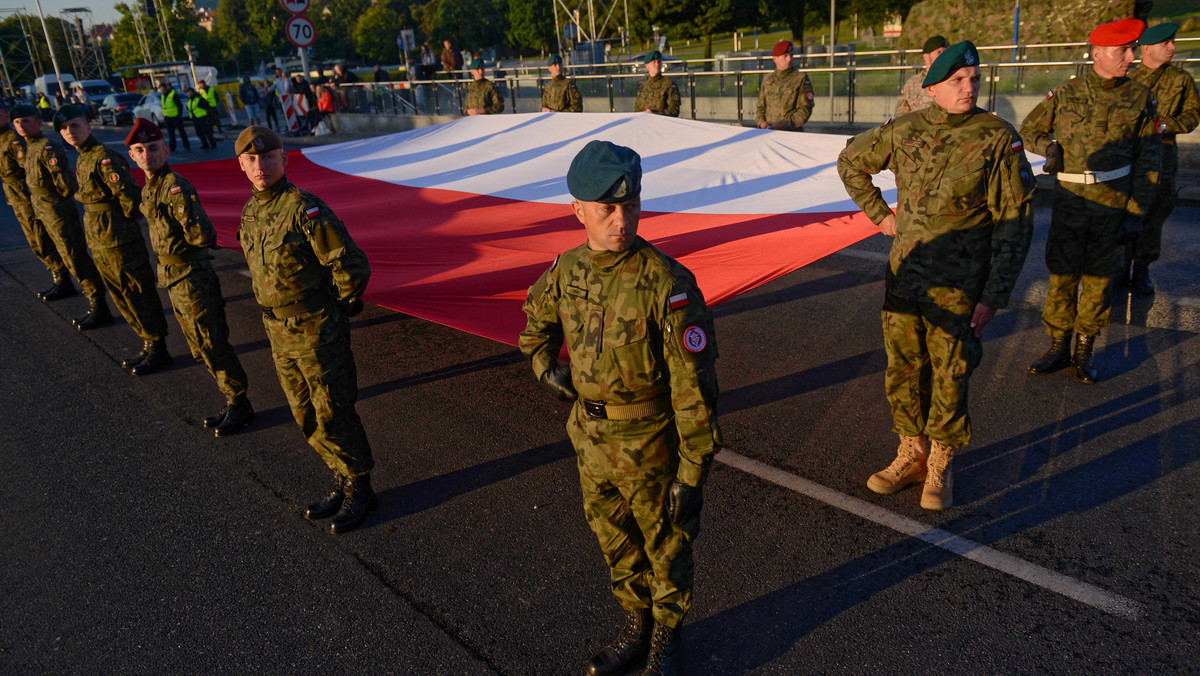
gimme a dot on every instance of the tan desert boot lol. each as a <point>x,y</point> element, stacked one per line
<point>907,468</point>
<point>939,485</point>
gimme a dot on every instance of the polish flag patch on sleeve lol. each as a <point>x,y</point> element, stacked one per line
<point>678,300</point>
<point>176,190</point>
<point>1017,146</point>
<point>312,211</point>
<point>105,162</point>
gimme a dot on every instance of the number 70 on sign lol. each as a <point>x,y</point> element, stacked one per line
<point>300,31</point>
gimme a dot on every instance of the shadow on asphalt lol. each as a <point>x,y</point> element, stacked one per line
<point>806,289</point>
<point>452,371</point>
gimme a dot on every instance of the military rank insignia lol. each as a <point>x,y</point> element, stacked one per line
<point>694,339</point>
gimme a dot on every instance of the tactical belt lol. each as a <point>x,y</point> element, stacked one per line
<point>309,304</point>
<point>189,255</point>
<point>641,409</point>
<point>100,206</point>
<point>1090,177</point>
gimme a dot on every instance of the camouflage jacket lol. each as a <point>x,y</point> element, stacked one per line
<point>296,248</point>
<point>636,328</point>
<point>913,96</point>
<point>110,197</point>
<point>1102,125</point>
<point>785,100</point>
<point>561,95</point>
<point>659,95</point>
<point>483,94</point>
<point>1178,105</point>
<point>47,172</point>
<point>179,227</point>
<point>12,160</point>
<point>964,218</point>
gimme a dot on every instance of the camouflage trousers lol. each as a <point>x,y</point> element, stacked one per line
<point>1083,255</point>
<point>625,472</point>
<point>39,240</point>
<point>931,351</point>
<point>61,223</point>
<point>130,280</point>
<point>1148,246</point>
<point>200,309</point>
<point>317,372</point>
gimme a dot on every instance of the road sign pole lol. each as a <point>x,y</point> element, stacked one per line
<point>303,60</point>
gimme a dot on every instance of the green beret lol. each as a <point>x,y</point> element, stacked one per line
<point>652,56</point>
<point>554,58</point>
<point>605,172</point>
<point>476,64</point>
<point>956,56</point>
<point>256,140</point>
<point>66,114</point>
<point>1160,33</point>
<point>23,110</point>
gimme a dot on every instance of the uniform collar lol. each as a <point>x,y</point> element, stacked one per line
<point>1094,79</point>
<point>605,261</point>
<point>157,176</point>
<point>272,191</point>
<point>90,144</point>
<point>938,115</point>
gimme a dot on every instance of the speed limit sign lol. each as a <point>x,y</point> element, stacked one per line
<point>295,6</point>
<point>300,31</point>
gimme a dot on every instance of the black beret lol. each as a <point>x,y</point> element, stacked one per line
<point>68,113</point>
<point>956,56</point>
<point>605,172</point>
<point>23,110</point>
<point>933,43</point>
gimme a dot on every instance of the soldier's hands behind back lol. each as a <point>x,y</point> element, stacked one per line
<point>558,380</point>
<point>1054,159</point>
<point>1131,227</point>
<point>683,501</point>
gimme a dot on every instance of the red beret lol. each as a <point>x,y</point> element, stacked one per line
<point>781,48</point>
<point>144,131</point>
<point>1117,33</point>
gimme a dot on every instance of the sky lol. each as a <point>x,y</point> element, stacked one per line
<point>102,12</point>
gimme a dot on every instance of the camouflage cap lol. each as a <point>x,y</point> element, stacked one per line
<point>1117,33</point>
<point>653,55</point>
<point>23,110</point>
<point>956,56</point>
<point>605,172</point>
<point>144,131</point>
<point>1160,33</point>
<point>554,59</point>
<point>256,140</point>
<point>476,64</point>
<point>782,47</point>
<point>935,43</point>
<point>68,113</point>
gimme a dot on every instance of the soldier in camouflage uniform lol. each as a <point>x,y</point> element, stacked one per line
<point>962,225</point>
<point>12,173</point>
<point>309,277</point>
<point>182,235</point>
<point>1098,135</point>
<point>658,93</point>
<point>560,95</point>
<point>785,99</point>
<point>111,203</point>
<point>912,94</point>
<point>482,97</point>
<point>643,381</point>
<point>51,186</point>
<point>1178,113</point>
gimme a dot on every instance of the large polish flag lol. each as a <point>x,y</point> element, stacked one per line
<point>459,219</point>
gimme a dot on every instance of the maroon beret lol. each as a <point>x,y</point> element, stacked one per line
<point>782,47</point>
<point>144,131</point>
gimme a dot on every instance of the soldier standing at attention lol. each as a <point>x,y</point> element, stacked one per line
<point>912,94</point>
<point>962,228</point>
<point>172,111</point>
<point>51,186</point>
<point>657,94</point>
<point>12,173</point>
<point>785,99</point>
<point>482,97</point>
<point>560,95</point>
<point>1178,113</point>
<point>1099,134</point>
<point>644,424</point>
<point>309,277</point>
<point>181,235</point>
<point>111,203</point>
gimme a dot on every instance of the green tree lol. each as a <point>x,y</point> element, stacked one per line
<point>375,34</point>
<point>471,26</point>
<point>183,28</point>
<point>530,24</point>
<point>335,24</point>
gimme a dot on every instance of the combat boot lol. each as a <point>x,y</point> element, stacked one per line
<point>330,504</point>
<point>97,314</point>
<point>1140,282</point>
<point>359,502</point>
<point>907,468</point>
<point>138,358</point>
<point>666,652</point>
<point>214,421</point>
<point>629,648</point>
<point>1057,357</point>
<point>61,287</point>
<point>939,485</point>
<point>1084,371</point>
<point>157,359</point>
<point>238,414</point>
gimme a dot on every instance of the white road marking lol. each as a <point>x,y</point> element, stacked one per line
<point>977,552</point>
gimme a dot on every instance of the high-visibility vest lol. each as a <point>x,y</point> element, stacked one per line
<point>43,102</point>
<point>210,93</point>
<point>195,109</point>
<point>170,104</point>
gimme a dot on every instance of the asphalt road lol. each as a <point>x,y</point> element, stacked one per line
<point>137,543</point>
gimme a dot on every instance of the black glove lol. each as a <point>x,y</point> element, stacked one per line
<point>353,307</point>
<point>1054,159</point>
<point>683,501</point>
<point>558,379</point>
<point>1131,227</point>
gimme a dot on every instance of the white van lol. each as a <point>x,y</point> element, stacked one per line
<point>47,84</point>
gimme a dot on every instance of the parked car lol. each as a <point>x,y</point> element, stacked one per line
<point>117,109</point>
<point>150,107</point>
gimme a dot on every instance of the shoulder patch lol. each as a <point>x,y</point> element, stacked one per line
<point>694,339</point>
<point>1050,94</point>
<point>105,162</point>
<point>312,211</point>
<point>175,190</point>
<point>555,263</point>
<point>1017,146</point>
<point>809,96</point>
<point>678,300</point>
<point>886,122</point>
<point>114,177</point>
